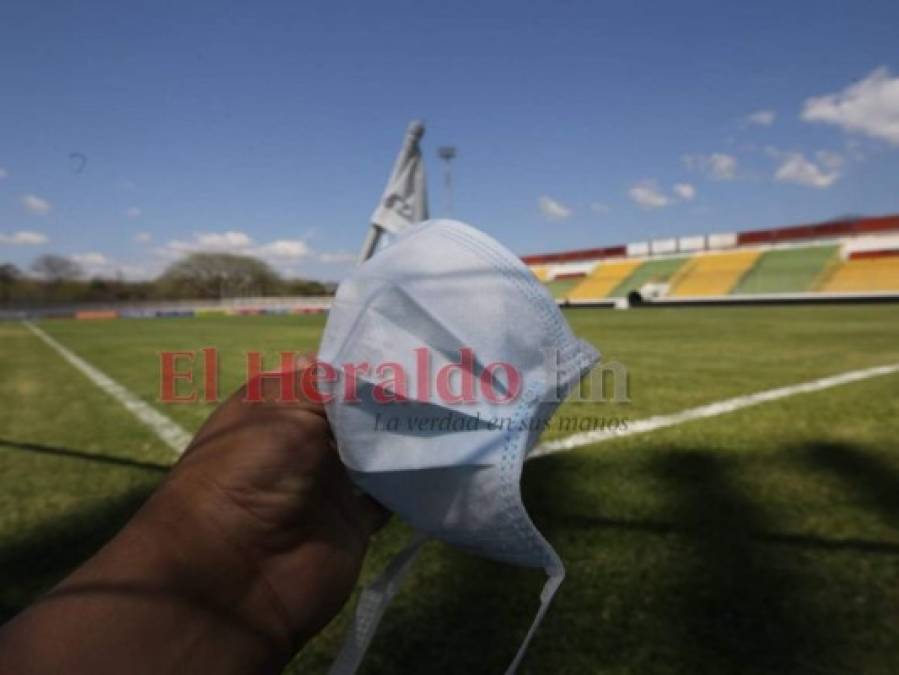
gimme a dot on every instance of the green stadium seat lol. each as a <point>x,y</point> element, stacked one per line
<point>651,271</point>
<point>792,270</point>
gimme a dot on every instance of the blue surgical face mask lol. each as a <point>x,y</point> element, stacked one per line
<point>446,454</point>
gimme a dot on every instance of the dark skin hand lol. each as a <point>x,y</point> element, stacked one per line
<point>250,546</point>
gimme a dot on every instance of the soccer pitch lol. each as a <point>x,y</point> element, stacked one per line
<point>764,540</point>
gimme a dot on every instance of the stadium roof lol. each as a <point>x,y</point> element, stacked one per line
<point>829,229</point>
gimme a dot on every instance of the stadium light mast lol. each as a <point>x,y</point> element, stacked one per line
<point>448,153</point>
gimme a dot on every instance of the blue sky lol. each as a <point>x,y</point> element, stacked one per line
<point>270,127</point>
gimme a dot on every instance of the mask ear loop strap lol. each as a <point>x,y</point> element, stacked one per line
<point>373,602</point>
<point>546,595</point>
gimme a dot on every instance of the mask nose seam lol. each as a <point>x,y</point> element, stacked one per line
<point>514,274</point>
<point>514,513</point>
<point>572,353</point>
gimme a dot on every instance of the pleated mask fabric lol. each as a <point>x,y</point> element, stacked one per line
<point>445,453</point>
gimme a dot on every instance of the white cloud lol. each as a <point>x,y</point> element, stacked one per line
<point>647,195</point>
<point>3,173</point>
<point>137,272</point>
<point>832,160</point>
<point>722,166</point>
<point>36,205</point>
<point>97,264</point>
<point>337,257</point>
<point>796,168</point>
<point>232,239</point>
<point>279,253</point>
<point>93,259</point>
<point>552,209</point>
<point>290,249</point>
<point>24,238</point>
<point>229,241</point>
<point>143,237</point>
<point>763,118</point>
<point>718,165</point>
<point>870,107</point>
<point>133,212</point>
<point>685,191</point>
<point>599,208</point>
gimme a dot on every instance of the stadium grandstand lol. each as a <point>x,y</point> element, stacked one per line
<point>852,259</point>
<point>849,258</point>
<point>174,309</point>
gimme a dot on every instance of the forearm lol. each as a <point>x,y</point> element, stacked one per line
<point>134,629</point>
<point>249,547</point>
<point>149,603</point>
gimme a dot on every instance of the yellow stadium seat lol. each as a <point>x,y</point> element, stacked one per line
<point>603,279</point>
<point>540,272</point>
<point>864,274</point>
<point>713,274</point>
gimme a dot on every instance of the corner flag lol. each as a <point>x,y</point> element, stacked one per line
<point>405,199</point>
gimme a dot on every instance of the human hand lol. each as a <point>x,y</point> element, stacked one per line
<point>250,546</point>
<point>261,495</point>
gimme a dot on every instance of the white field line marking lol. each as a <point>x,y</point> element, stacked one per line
<point>169,431</point>
<point>710,410</point>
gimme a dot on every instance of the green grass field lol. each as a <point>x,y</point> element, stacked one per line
<point>763,541</point>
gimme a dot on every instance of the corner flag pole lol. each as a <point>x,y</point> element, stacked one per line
<point>372,237</point>
<point>405,198</point>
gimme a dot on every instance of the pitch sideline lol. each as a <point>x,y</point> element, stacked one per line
<point>710,410</point>
<point>175,436</point>
<point>168,431</point>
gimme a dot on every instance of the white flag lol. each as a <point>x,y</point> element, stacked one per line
<point>405,199</point>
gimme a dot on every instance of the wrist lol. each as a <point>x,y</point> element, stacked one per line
<point>170,557</point>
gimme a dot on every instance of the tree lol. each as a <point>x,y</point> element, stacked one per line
<point>305,287</point>
<point>9,274</point>
<point>56,268</point>
<point>219,275</point>
<point>9,277</point>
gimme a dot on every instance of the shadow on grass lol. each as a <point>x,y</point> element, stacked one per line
<point>742,605</point>
<point>798,541</point>
<point>38,560</point>
<point>714,589</point>
<point>874,482</point>
<point>727,593</point>
<point>68,453</point>
<point>467,616</point>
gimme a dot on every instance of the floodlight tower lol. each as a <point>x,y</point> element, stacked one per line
<point>448,153</point>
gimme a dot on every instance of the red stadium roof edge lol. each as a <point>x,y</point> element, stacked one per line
<point>834,228</point>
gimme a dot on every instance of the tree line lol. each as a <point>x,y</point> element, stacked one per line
<point>54,279</point>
